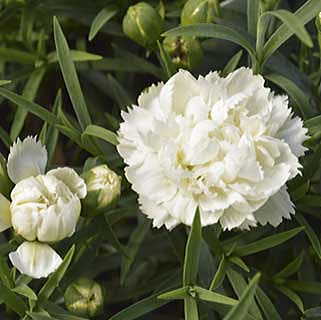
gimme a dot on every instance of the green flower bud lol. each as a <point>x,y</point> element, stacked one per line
<point>143,24</point>
<point>185,52</point>
<point>85,297</point>
<point>199,11</point>
<point>103,188</point>
<point>5,182</point>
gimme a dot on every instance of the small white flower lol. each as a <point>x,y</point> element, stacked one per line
<point>26,159</point>
<point>36,260</point>
<point>225,145</point>
<point>44,207</point>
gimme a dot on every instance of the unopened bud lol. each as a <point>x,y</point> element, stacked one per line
<point>85,297</point>
<point>143,24</point>
<point>199,11</point>
<point>185,52</point>
<point>103,188</point>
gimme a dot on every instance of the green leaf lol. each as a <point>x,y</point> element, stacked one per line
<point>232,64</point>
<point>140,308</point>
<point>253,12</point>
<point>210,296</point>
<point>176,294</point>
<point>314,239</point>
<point>26,291</point>
<point>190,309</point>
<point>293,297</point>
<point>70,76</point>
<point>118,92</point>
<point>75,55</point>
<point>293,23</point>
<point>210,30</point>
<point>5,275</point>
<point>267,243</point>
<point>32,107</point>
<point>52,134</point>
<point>29,92</point>
<point>53,282</point>
<point>102,17</point>
<point>304,14</point>
<point>4,82</point>
<point>239,286</point>
<point>239,311</point>
<point>102,133</point>
<point>15,55</point>
<point>135,241</point>
<point>266,305</point>
<point>292,268</point>
<point>239,262</point>
<point>305,286</point>
<point>13,301</point>
<point>40,316</point>
<point>219,275</point>
<point>192,251</point>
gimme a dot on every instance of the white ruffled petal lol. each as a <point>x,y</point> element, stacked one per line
<point>26,158</point>
<point>293,133</point>
<point>35,259</point>
<point>276,208</point>
<point>5,214</point>
<point>71,179</point>
<point>183,86</point>
<point>157,213</point>
<point>232,219</point>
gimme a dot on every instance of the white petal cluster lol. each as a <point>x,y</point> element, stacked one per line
<point>225,145</point>
<point>45,208</point>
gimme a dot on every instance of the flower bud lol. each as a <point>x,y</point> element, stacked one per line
<point>185,52</point>
<point>199,11</point>
<point>85,297</point>
<point>5,183</point>
<point>103,188</point>
<point>143,24</point>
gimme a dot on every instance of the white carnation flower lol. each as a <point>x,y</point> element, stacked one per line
<point>225,145</point>
<point>44,207</point>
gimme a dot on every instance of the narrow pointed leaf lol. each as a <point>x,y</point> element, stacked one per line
<point>102,133</point>
<point>140,308</point>
<point>26,291</point>
<point>70,76</point>
<point>53,282</point>
<point>267,243</point>
<point>102,17</point>
<point>192,252</point>
<point>239,311</point>
<point>210,296</point>
<point>190,309</point>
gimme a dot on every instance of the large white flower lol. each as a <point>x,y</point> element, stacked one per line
<point>225,145</point>
<point>44,207</point>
